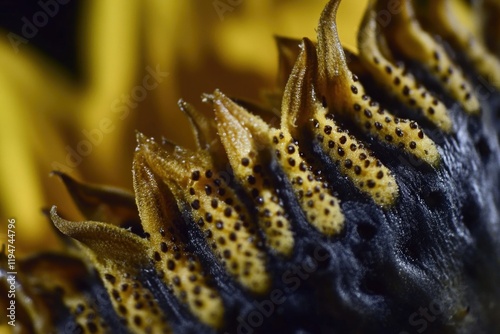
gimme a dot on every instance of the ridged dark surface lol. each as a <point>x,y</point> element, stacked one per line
<point>430,264</point>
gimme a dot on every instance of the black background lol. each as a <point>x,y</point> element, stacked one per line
<point>57,39</point>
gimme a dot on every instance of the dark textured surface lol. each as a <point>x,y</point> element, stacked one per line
<point>430,264</point>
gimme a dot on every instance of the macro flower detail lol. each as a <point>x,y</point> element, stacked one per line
<point>368,202</point>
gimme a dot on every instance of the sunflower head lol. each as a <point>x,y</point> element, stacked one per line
<point>365,202</point>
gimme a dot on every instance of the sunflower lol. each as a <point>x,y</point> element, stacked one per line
<point>363,184</point>
<point>51,109</point>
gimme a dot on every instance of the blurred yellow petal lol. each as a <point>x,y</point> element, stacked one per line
<point>20,187</point>
<point>111,39</point>
<point>168,21</point>
<point>249,28</point>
